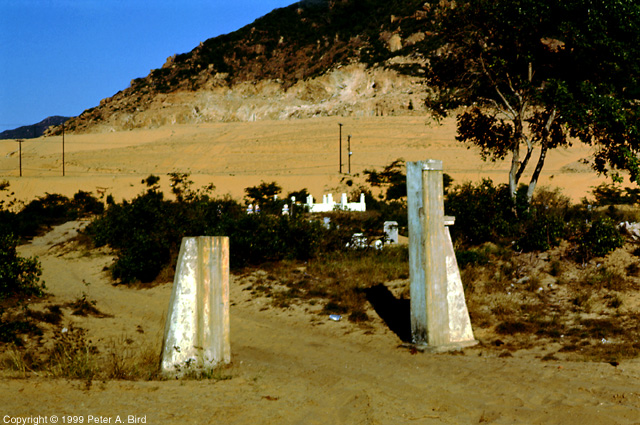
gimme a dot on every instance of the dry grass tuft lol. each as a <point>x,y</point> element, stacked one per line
<point>71,355</point>
<point>532,300</point>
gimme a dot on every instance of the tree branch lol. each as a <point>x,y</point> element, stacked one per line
<point>495,86</point>
<point>550,120</point>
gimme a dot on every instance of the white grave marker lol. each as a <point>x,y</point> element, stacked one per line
<point>391,231</point>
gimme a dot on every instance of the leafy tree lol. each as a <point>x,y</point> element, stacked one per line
<point>265,196</point>
<point>392,176</point>
<point>531,73</point>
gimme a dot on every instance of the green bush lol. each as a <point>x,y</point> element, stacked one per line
<point>471,257</point>
<point>484,213</point>
<point>600,238</point>
<point>258,238</point>
<point>544,224</point>
<point>147,232</point>
<point>85,204</point>
<point>18,275</point>
<point>49,210</point>
<point>541,233</point>
<point>143,231</point>
<point>44,212</point>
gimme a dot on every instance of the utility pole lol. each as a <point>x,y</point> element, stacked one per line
<point>62,149</point>
<point>20,144</point>
<point>349,150</point>
<point>340,147</point>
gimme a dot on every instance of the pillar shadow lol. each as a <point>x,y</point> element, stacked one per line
<point>396,313</point>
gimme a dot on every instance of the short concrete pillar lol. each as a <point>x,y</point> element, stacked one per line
<point>196,335</point>
<point>439,316</point>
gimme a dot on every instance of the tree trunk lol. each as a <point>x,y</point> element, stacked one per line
<point>513,172</point>
<point>536,172</point>
<point>525,161</point>
<point>544,146</point>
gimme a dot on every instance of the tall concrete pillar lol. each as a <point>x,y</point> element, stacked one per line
<point>197,325</point>
<point>439,316</point>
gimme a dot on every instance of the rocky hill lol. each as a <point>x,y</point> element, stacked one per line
<point>313,58</point>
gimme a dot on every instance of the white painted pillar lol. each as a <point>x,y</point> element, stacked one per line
<point>439,316</point>
<point>197,325</point>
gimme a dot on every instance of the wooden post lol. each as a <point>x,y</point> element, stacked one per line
<point>349,151</point>
<point>20,144</point>
<point>63,150</point>
<point>435,293</point>
<point>340,148</point>
<point>197,325</point>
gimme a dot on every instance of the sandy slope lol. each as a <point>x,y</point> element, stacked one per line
<point>295,153</point>
<point>294,367</point>
<point>290,366</point>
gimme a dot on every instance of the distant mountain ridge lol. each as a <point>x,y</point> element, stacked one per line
<point>34,130</point>
<point>315,57</point>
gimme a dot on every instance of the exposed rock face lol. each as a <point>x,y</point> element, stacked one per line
<point>351,90</point>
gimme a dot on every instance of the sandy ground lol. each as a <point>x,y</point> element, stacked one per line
<point>294,367</point>
<point>295,153</point>
<point>288,366</point>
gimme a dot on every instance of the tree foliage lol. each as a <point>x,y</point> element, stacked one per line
<point>394,178</point>
<point>265,197</point>
<point>531,73</point>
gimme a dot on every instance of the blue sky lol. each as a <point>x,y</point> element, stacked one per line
<point>60,57</point>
